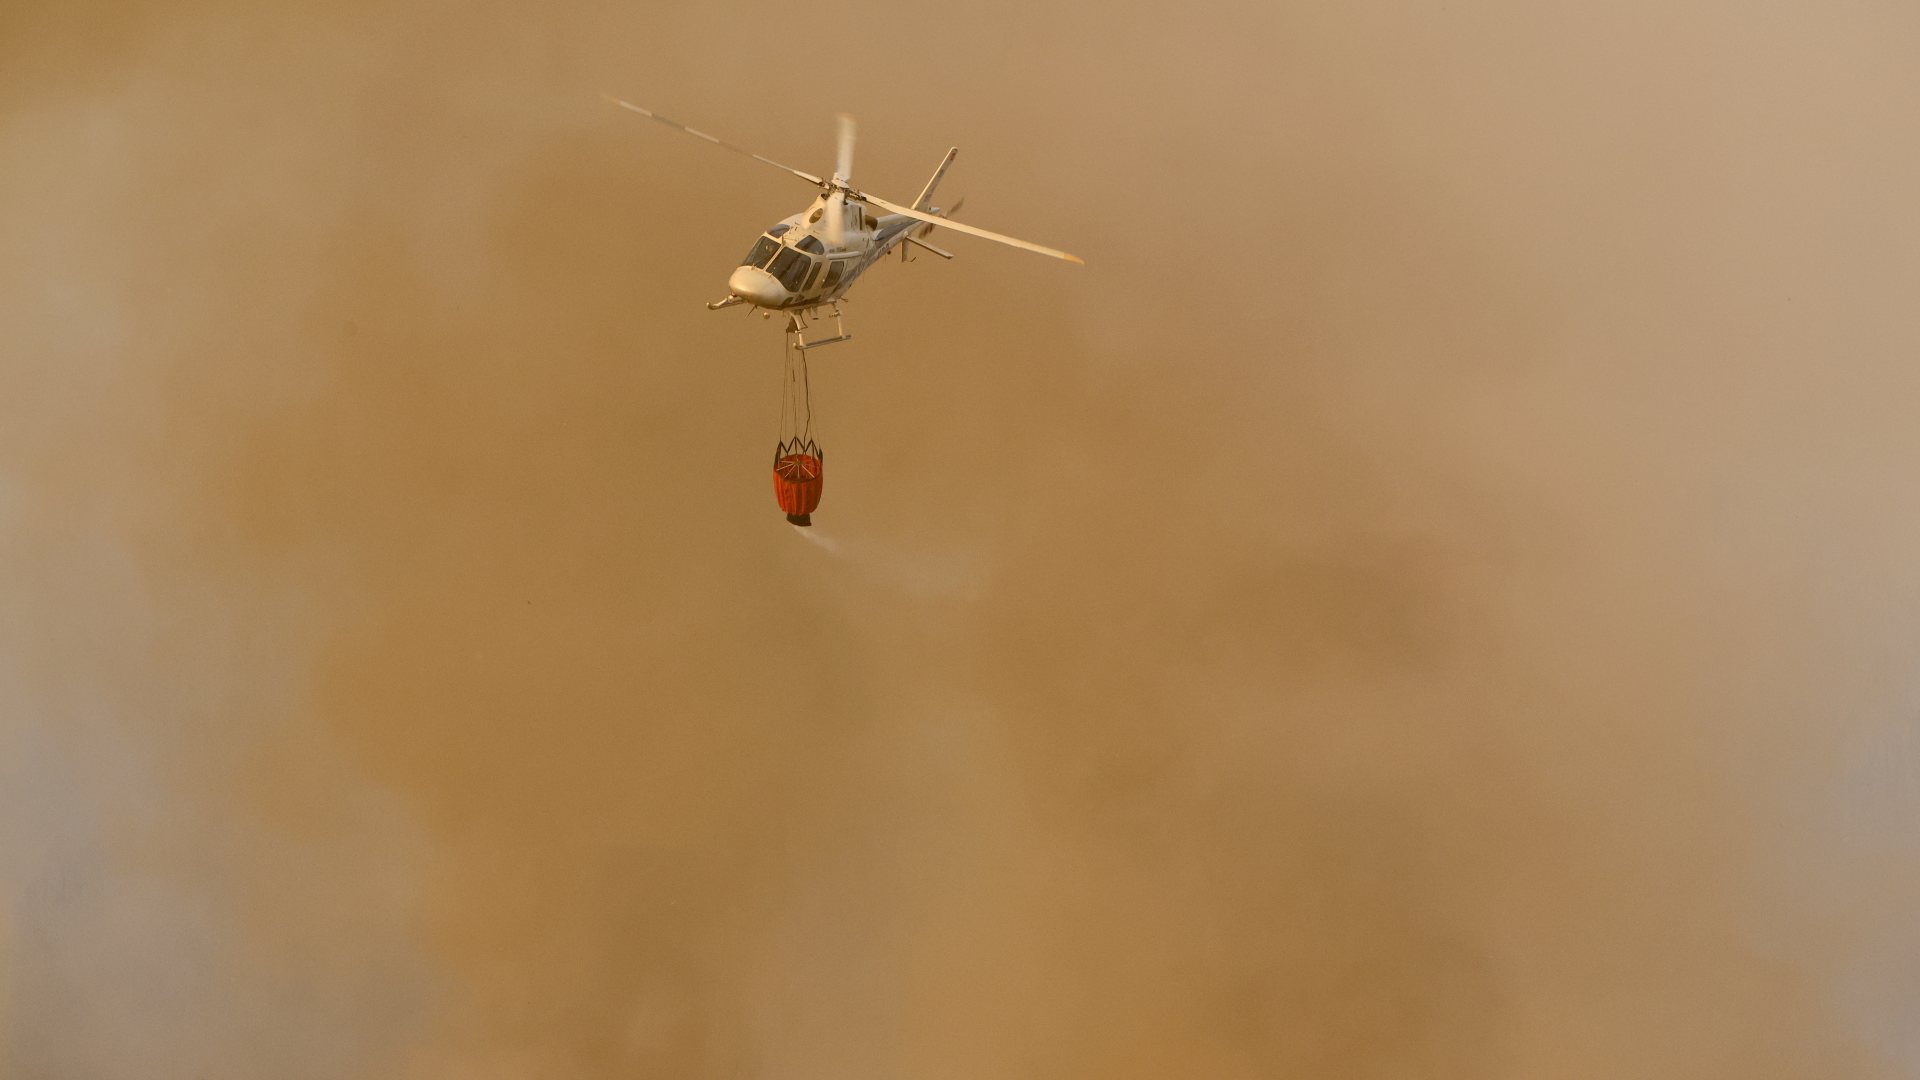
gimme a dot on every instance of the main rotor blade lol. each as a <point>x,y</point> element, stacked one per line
<point>843,162</point>
<point>651,115</point>
<point>933,219</point>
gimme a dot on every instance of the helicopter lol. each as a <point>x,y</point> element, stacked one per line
<point>808,261</point>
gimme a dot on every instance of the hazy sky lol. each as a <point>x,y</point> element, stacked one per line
<point>1435,596</point>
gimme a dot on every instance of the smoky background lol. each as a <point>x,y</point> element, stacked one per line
<point>1434,596</point>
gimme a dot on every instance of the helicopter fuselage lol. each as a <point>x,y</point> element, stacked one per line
<point>796,265</point>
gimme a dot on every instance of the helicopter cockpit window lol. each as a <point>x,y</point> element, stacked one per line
<point>763,250</point>
<point>811,243</point>
<point>791,267</point>
<point>779,229</point>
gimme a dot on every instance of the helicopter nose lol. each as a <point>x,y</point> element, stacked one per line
<point>757,286</point>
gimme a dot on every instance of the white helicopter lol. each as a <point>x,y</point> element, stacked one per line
<point>810,260</point>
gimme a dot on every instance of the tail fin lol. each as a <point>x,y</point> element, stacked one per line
<point>926,193</point>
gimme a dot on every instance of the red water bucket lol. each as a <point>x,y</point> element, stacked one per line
<point>797,478</point>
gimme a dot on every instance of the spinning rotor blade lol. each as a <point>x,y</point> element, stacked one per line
<point>843,162</point>
<point>933,219</point>
<point>927,230</point>
<point>651,115</point>
<point>842,169</point>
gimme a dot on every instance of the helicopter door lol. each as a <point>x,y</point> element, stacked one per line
<point>836,268</point>
<point>815,249</point>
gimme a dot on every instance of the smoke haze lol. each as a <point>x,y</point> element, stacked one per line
<point>1434,596</point>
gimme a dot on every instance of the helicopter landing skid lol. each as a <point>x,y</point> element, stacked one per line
<point>797,325</point>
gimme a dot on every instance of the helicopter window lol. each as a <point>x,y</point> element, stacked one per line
<point>815,276</point>
<point>810,243</point>
<point>833,274</point>
<point>791,268</point>
<point>778,229</point>
<point>763,249</point>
